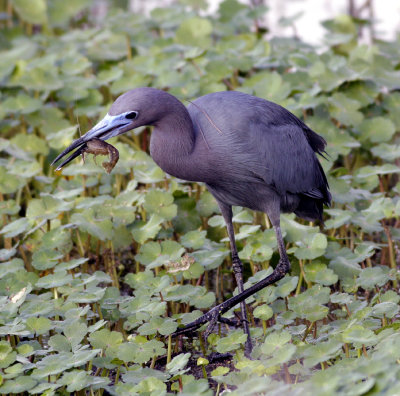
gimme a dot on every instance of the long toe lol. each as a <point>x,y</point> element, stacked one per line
<point>248,346</point>
<point>210,327</point>
<point>211,316</point>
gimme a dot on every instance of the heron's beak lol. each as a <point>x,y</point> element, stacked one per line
<point>107,128</point>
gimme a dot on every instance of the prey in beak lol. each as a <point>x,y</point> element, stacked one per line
<point>92,142</point>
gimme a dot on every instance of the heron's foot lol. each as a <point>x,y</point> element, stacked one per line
<point>283,266</point>
<point>211,316</point>
<point>215,357</point>
<point>237,267</point>
<point>233,323</point>
<point>210,327</point>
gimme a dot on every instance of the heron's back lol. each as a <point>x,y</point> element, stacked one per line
<point>254,144</point>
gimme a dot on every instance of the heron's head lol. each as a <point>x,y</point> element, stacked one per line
<point>138,107</point>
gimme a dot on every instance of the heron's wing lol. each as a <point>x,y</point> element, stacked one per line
<point>287,152</point>
<point>254,140</point>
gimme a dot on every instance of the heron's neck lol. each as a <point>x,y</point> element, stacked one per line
<point>172,141</point>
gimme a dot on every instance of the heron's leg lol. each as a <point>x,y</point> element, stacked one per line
<point>237,267</point>
<point>279,272</point>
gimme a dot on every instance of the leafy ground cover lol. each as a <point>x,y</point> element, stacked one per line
<point>97,270</point>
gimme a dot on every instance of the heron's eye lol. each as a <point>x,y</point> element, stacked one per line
<point>132,115</point>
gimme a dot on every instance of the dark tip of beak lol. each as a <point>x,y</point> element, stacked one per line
<point>74,145</point>
<point>77,153</point>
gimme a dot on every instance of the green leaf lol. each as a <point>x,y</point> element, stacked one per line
<point>168,327</point>
<point>61,11</point>
<point>318,273</point>
<point>96,226</point>
<point>268,85</point>
<point>105,338</point>
<point>386,309</point>
<point>77,380</point>
<point>58,239</point>
<point>45,258</point>
<point>195,31</point>
<point>146,350</point>
<point>57,279</point>
<point>107,45</point>
<point>231,342</point>
<point>54,364</point>
<point>387,152</point>
<point>6,254</point>
<point>75,333</point>
<point>47,207</point>
<point>321,352</point>
<point>22,384</point>
<point>7,358</point>
<point>11,266</point>
<point>312,246</point>
<point>207,205</point>
<point>42,78</point>
<point>64,266</point>
<point>59,343</point>
<point>160,203</point>
<point>62,138</point>
<point>151,386</point>
<point>31,11</point>
<point>391,103</point>
<point>358,335</point>
<point>39,325</point>
<point>344,262</point>
<point>194,239</point>
<point>377,129</point>
<point>194,271</point>
<point>308,304</point>
<point>22,103</point>
<point>285,286</point>
<point>220,371</point>
<point>16,227</point>
<point>274,342</point>
<point>9,207</point>
<point>178,363</point>
<point>228,9</point>
<point>148,253</point>
<point>5,349</point>
<point>107,76</point>
<point>367,171</point>
<point>30,143</point>
<point>263,312</point>
<point>205,301</point>
<point>345,110</point>
<point>364,92</point>
<point>371,277</point>
<point>244,232</point>
<point>154,255</point>
<point>142,231</point>
<point>187,218</point>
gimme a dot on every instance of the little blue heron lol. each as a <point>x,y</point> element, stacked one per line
<point>248,151</point>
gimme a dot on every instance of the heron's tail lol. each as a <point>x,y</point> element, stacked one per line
<point>310,209</point>
<point>311,204</point>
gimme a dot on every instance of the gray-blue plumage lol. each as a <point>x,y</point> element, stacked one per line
<point>263,145</point>
<point>249,151</point>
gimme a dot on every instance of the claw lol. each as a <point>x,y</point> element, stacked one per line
<point>210,328</point>
<point>95,147</point>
